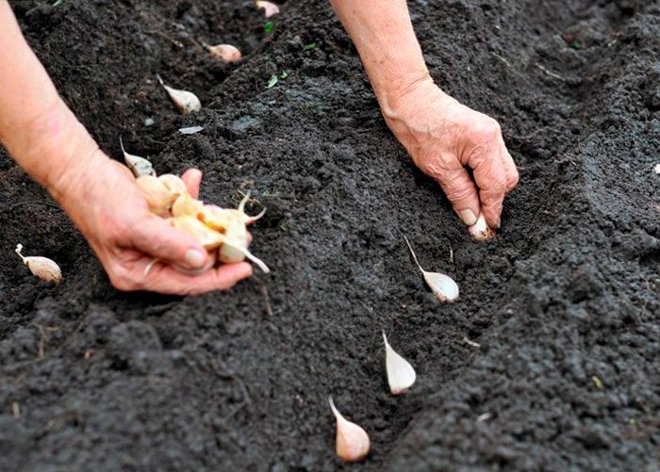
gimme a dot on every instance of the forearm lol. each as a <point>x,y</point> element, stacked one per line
<point>384,37</point>
<point>36,126</point>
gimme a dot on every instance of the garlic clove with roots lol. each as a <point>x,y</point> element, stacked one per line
<point>138,165</point>
<point>239,247</point>
<point>185,101</point>
<point>226,52</point>
<point>352,442</point>
<point>44,268</point>
<point>480,230</point>
<point>400,374</point>
<point>269,8</point>
<point>159,197</point>
<point>443,287</point>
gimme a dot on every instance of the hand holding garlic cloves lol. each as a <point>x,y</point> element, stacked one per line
<point>127,237</point>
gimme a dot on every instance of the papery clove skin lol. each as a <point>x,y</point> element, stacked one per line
<point>174,184</point>
<point>184,100</point>
<point>186,205</point>
<point>207,237</point>
<point>480,230</point>
<point>158,195</point>
<point>226,52</point>
<point>443,287</point>
<point>269,8</point>
<point>138,165</point>
<point>352,443</point>
<point>44,268</point>
<point>400,374</point>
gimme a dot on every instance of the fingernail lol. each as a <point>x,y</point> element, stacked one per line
<point>194,258</point>
<point>468,217</point>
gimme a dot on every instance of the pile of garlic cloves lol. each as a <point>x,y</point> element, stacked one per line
<point>222,231</point>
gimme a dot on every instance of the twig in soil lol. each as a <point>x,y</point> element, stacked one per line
<point>507,63</point>
<point>176,42</point>
<point>16,410</point>
<point>471,343</point>
<point>484,417</point>
<point>11,207</point>
<point>43,332</point>
<point>550,73</point>
<point>451,254</point>
<point>263,288</point>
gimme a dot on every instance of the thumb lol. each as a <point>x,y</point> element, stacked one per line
<point>155,237</point>
<point>461,192</point>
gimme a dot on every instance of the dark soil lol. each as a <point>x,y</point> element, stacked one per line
<point>564,303</point>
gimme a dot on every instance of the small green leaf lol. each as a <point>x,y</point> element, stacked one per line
<point>269,26</point>
<point>284,75</point>
<point>309,47</point>
<point>272,81</point>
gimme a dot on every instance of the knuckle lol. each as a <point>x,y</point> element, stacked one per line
<point>489,129</point>
<point>119,278</point>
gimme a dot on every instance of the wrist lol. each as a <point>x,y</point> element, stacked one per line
<point>52,147</point>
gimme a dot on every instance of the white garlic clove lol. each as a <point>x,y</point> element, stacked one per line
<point>352,442</point>
<point>186,205</point>
<point>207,237</point>
<point>174,184</point>
<point>269,8</point>
<point>226,52</point>
<point>184,100</point>
<point>138,165</point>
<point>443,287</point>
<point>44,268</point>
<point>158,195</point>
<point>400,374</point>
<point>236,241</point>
<point>240,248</point>
<point>480,230</point>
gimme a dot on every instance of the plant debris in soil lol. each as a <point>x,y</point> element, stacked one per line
<point>568,292</point>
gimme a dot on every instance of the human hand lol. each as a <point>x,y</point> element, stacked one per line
<point>107,206</point>
<point>442,137</point>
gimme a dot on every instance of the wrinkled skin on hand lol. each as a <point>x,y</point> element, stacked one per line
<point>108,207</point>
<point>442,137</point>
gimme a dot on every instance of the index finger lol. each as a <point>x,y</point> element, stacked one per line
<point>490,175</point>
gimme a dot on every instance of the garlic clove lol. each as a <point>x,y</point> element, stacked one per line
<point>443,287</point>
<point>480,230</point>
<point>207,237</point>
<point>185,101</point>
<point>217,218</point>
<point>226,52</point>
<point>44,268</point>
<point>352,442</point>
<point>174,184</point>
<point>186,205</point>
<point>138,165</point>
<point>264,268</point>
<point>269,8</point>
<point>158,195</point>
<point>235,243</point>
<point>400,374</point>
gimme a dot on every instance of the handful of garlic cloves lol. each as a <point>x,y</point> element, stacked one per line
<point>222,231</point>
<point>44,268</point>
